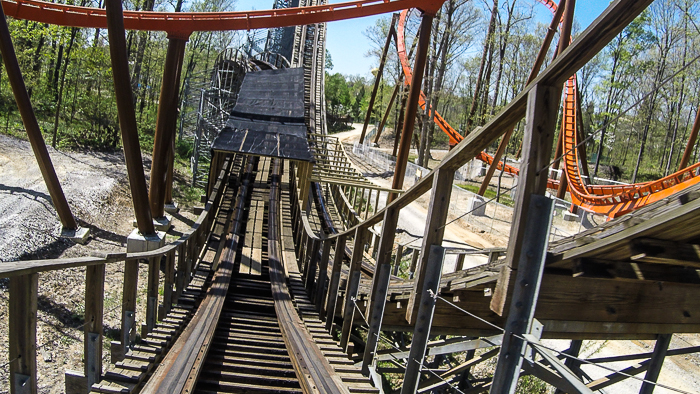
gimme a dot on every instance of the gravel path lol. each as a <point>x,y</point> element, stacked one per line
<point>97,190</point>
<point>29,225</point>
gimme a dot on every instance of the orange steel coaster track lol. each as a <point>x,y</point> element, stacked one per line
<point>187,22</point>
<point>610,200</point>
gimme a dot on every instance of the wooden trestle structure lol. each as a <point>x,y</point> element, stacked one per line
<point>283,256</point>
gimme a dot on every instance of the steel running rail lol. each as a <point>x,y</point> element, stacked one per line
<point>610,200</point>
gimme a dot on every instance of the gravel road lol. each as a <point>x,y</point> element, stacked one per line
<point>29,225</point>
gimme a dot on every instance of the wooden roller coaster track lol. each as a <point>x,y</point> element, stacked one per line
<point>627,279</point>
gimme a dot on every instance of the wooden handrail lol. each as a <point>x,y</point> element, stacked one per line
<point>18,268</point>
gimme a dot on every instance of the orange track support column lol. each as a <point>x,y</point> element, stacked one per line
<point>165,124</point>
<point>127,117</point>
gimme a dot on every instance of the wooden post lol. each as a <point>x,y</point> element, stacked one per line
<point>94,322</point>
<point>127,117</point>
<point>129,294</point>
<point>414,263</point>
<point>305,251</point>
<point>525,292</point>
<point>397,262</point>
<point>334,283</point>
<point>412,103</point>
<point>22,333</point>
<point>313,263</point>
<point>369,203</point>
<point>434,232</point>
<point>31,125</point>
<point>378,78</point>
<point>165,128</point>
<point>322,277</point>
<point>168,285</point>
<point>353,285</point>
<point>460,262</point>
<point>376,201</point>
<point>657,361</point>
<point>380,286</point>
<point>151,295</point>
<point>542,108</point>
<point>424,321</point>
<point>527,232</point>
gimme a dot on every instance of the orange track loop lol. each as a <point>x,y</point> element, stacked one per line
<point>188,22</point>
<point>613,200</point>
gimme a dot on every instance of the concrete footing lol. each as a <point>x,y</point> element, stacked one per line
<point>172,208</point>
<point>79,235</point>
<point>161,223</point>
<point>569,217</point>
<point>137,242</point>
<point>476,206</point>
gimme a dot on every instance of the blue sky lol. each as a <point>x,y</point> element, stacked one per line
<point>348,45</point>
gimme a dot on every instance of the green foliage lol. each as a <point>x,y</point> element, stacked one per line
<point>329,60</point>
<point>529,384</point>
<point>489,194</point>
<point>337,94</point>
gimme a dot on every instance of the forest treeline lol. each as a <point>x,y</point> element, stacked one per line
<point>639,96</point>
<point>68,74</point>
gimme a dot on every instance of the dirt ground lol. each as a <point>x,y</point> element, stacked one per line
<point>97,190</point>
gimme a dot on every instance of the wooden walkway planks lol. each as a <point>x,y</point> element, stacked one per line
<point>251,255</point>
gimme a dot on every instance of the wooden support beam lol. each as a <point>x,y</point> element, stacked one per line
<point>414,263</point>
<point>617,377</point>
<point>542,109</point>
<point>397,262</point>
<point>169,279</point>
<point>353,284</point>
<point>656,362</point>
<point>22,333</point>
<point>525,292</point>
<point>151,295</point>
<point>434,232</point>
<point>334,284</point>
<point>380,286</point>
<point>94,323</point>
<point>129,294</point>
<point>658,251</point>
<point>424,319</point>
<point>36,139</point>
<point>313,264</point>
<point>322,277</point>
